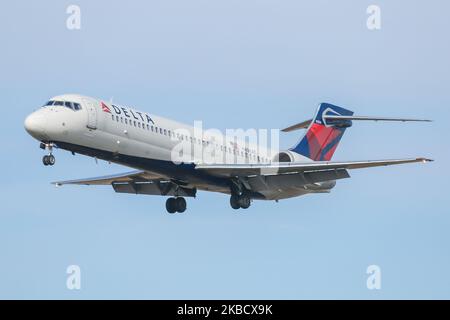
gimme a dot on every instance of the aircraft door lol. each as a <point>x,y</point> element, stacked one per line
<point>92,114</point>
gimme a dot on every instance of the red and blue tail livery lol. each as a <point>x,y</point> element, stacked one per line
<point>323,134</point>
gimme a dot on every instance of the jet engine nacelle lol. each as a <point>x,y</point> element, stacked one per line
<point>289,156</point>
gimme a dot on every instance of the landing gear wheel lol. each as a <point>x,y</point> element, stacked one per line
<point>171,205</point>
<point>51,160</point>
<point>234,202</point>
<point>176,205</point>
<point>180,204</point>
<point>244,202</point>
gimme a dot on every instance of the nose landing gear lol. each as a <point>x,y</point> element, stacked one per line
<point>48,160</point>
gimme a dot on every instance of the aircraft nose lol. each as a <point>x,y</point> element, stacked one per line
<point>35,125</point>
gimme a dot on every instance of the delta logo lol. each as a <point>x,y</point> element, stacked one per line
<point>127,112</point>
<point>105,108</point>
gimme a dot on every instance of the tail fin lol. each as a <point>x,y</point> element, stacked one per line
<point>323,135</point>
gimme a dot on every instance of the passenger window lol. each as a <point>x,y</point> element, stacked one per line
<point>139,124</point>
<point>126,121</point>
<point>112,117</point>
<point>165,132</point>
<point>134,123</point>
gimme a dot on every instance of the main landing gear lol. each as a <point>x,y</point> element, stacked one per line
<point>48,160</point>
<point>242,201</point>
<point>176,205</point>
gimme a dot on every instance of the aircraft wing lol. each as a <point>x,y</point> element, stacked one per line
<point>299,173</point>
<point>246,170</point>
<point>137,182</point>
<point>108,180</point>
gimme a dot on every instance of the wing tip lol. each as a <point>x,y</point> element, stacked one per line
<point>425,160</point>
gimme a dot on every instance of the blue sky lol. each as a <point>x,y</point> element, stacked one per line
<point>232,64</point>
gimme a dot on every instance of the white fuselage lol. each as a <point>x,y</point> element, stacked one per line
<point>143,141</point>
<point>127,131</point>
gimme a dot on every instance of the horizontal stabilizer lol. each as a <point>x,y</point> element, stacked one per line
<point>363,118</point>
<point>305,124</point>
<point>301,125</point>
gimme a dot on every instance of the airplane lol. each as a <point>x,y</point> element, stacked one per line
<point>145,142</point>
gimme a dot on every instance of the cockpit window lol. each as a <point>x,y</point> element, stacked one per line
<point>71,105</point>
